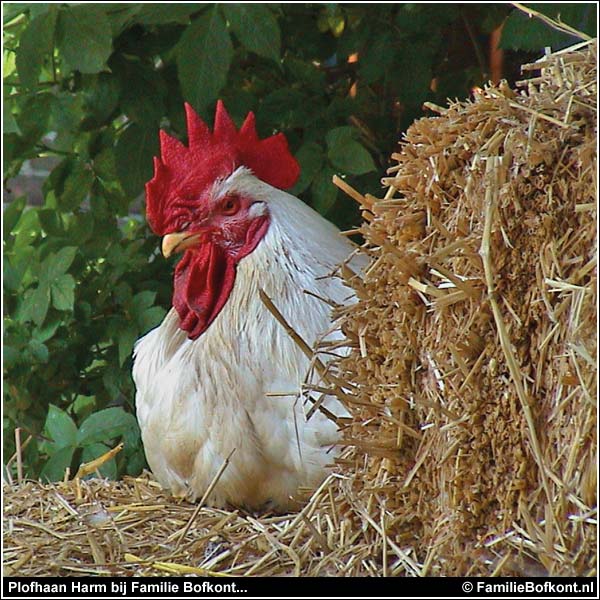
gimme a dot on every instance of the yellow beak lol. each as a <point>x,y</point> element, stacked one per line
<point>178,242</point>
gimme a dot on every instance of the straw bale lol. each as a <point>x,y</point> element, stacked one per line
<point>474,339</point>
<point>471,379</point>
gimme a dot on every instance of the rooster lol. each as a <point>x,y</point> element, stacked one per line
<point>219,380</point>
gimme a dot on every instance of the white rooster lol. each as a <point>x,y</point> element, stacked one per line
<point>220,376</point>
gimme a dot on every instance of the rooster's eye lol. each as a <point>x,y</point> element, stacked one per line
<point>230,205</point>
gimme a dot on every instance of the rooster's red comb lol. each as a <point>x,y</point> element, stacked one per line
<point>184,173</point>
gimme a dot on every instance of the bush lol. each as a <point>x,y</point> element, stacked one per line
<point>90,85</point>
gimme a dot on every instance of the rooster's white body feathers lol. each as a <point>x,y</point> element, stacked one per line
<point>235,388</point>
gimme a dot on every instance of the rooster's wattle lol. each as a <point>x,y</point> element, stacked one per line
<point>220,374</point>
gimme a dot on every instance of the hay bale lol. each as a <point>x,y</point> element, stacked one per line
<point>473,368</point>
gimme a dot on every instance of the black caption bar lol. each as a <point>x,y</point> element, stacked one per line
<point>330,587</point>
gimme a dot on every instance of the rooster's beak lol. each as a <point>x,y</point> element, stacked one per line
<point>178,242</point>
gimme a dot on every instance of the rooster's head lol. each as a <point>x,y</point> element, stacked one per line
<point>193,201</point>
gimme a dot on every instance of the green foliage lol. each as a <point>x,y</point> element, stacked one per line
<point>346,154</point>
<point>84,38</point>
<point>89,85</point>
<point>63,441</point>
<point>256,27</point>
<point>523,33</point>
<point>204,56</point>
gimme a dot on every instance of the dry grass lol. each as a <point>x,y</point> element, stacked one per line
<point>471,381</point>
<point>132,527</point>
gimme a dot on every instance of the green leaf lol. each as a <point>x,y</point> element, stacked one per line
<point>204,56</point>
<point>36,42</point>
<point>122,293</point>
<point>352,158</point>
<point>34,116</point>
<point>65,118</point>
<point>142,97</point>
<point>76,186</point>
<point>54,184</point>
<point>285,108</point>
<point>9,123</point>
<point>57,264</point>
<point>142,301</point>
<point>134,151</point>
<point>110,380</point>
<point>84,37</point>
<point>11,215</point>
<point>126,340</point>
<point>340,136</point>
<point>150,318</point>
<point>38,351</point>
<point>100,98</point>
<point>27,228</point>
<point>60,428</point>
<point>162,14</point>
<point>132,438</point>
<point>256,27</point>
<point>11,356</point>
<point>347,154</point>
<point>83,406</point>
<point>9,65</point>
<point>133,450</point>
<point>12,9</point>
<point>415,65</point>
<point>105,165</point>
<point>105,425</point>
<point>377,58</point>
<point>521,32</point>
<point>12,277</point>
<point>136,462</point>
<point>324,193</point>
<point>50,221</point>
<point>63,292</point>
<point>310,156</point>
<point>47,330</point>
<point>36,304</point>
<point>305,72</point>
<point>93,451</point>
<point>16,266</point>
<point>121,16</point>
<point>55,467</point>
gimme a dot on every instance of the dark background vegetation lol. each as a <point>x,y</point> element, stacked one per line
<point>86,88</point>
